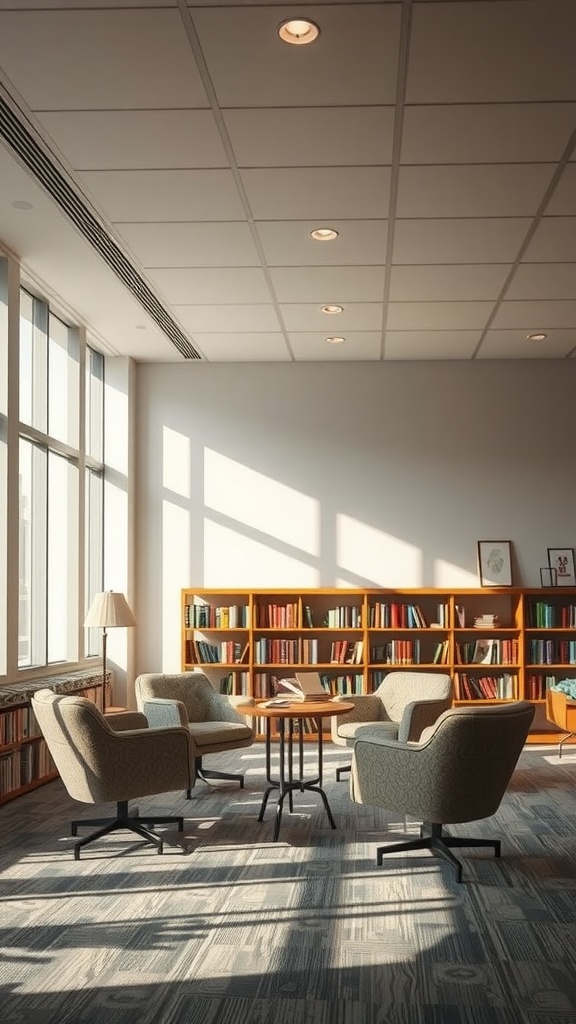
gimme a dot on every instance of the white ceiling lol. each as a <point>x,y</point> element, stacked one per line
<point>437,138</point>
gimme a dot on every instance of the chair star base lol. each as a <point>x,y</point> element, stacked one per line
<point>439,843</point>
<point>142,827</point>
<point>208,773</point>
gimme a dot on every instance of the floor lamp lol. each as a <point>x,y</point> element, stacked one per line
<point>108,610</point>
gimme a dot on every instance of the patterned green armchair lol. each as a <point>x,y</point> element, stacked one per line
<point>457,772</point>
<point>104,758</point>
<point>404,704</point>
<point>188,699</point>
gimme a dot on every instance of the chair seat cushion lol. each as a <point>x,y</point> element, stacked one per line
<point>211,733</point>
<point>352,730</point>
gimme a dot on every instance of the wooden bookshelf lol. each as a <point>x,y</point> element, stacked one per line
<point>25,761</point>
<point>498,644</point>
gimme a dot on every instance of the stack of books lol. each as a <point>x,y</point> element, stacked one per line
<point>486,622</point>
<point>306,686</point>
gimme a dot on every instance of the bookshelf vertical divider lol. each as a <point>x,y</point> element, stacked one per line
<point>498,644</point>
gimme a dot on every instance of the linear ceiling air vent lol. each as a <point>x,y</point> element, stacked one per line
<point>32,155</point>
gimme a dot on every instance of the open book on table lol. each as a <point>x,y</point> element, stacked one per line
<point>304,686</point>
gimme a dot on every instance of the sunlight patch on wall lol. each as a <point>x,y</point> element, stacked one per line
<point>175,576</point>
<point>446,574</point>
<point>231,560</point>
<point>116,406</point>
<point>176,462</point>
<point>261,503</point>
<point>383,560</point>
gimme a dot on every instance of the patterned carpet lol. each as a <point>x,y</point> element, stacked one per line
<point>229,928</point>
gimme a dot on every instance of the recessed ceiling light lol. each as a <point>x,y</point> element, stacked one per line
<point>323,234</point>
<point>21,204</point>
<point>536,337</point>
<point>298,31</point>
<point>335,341</point>
<point>332,309</point>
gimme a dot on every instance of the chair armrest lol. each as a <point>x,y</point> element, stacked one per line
<point>120,721</point>
<point>418,715</point>
<point>162,713</point>
<point>142,762</point>
<point>367,708</point>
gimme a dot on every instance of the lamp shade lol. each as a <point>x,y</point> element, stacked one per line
<point>109,609</point>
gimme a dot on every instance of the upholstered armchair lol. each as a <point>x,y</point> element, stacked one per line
<point>457,772</point>
<point>404,704</point>
<point>188,699</point>
<point>561,710</point>
<point>113,758</point>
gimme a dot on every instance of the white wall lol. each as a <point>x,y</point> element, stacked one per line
<point>349,474</point>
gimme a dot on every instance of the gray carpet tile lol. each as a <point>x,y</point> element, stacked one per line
<point>227,926</point>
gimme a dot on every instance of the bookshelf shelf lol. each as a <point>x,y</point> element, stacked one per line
<point>25,762</point>
<point>408,628</point>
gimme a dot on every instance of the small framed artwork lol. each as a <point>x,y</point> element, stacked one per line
<point>562,560</point>
<point>495,563</point>
<point>547,577</point>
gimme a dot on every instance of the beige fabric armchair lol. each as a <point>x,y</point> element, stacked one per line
<point>188,699</point>
<point>458,772</point>
<point>404,704</point>
<point>113,757</point>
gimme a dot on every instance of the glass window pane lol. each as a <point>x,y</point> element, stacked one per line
<point>63,383</point>
<point>32,556</point>
<point>62,558</point>
<point>33,361</point>
<point>94,559</point>
<point>94,404</point>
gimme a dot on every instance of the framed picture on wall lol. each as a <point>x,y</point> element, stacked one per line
<point>495,563</point>
<point>547,577</point>
<point>562,560</point>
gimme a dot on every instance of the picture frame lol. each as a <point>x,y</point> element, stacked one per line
<point>548,577</point>
<point>495,563</point>
<point>562,560</point>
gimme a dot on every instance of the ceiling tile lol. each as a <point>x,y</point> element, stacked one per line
<point>100,59</point>
<point>422,283</point>
<point>124,139</point>
<point>536,315</point>
<point>165,195</point>
<point>499,51</point>
<point>500,344</point>
<point>554,240</point>
<point>543,281</point>
<point>468,240</point>
<point>242,347</point>
<point>319,284</point>
<point>260,70</point>
<point>430,344</point>
<point>226,319</point>
<point>300,193</point>
<point>225,244</point>
<point>198,286</point>
<point>312,346</point>
<point>486,133</point>
<point>563,201</point>
<point>484,190</point>
<point>311,137</point>
<point>357,316</point>
<point>419,316</point>
<point>288,243</point>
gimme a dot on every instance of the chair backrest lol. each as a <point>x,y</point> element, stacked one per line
<point>401,688</point>
<point>470,754</point>
<point>203,703</point>
<point>77,736</point>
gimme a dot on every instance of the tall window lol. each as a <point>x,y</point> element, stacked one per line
<point>55,454</point>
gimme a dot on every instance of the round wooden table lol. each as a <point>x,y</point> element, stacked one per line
<point>286,783</point>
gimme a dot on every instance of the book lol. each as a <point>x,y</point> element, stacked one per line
<point>306,686</point>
